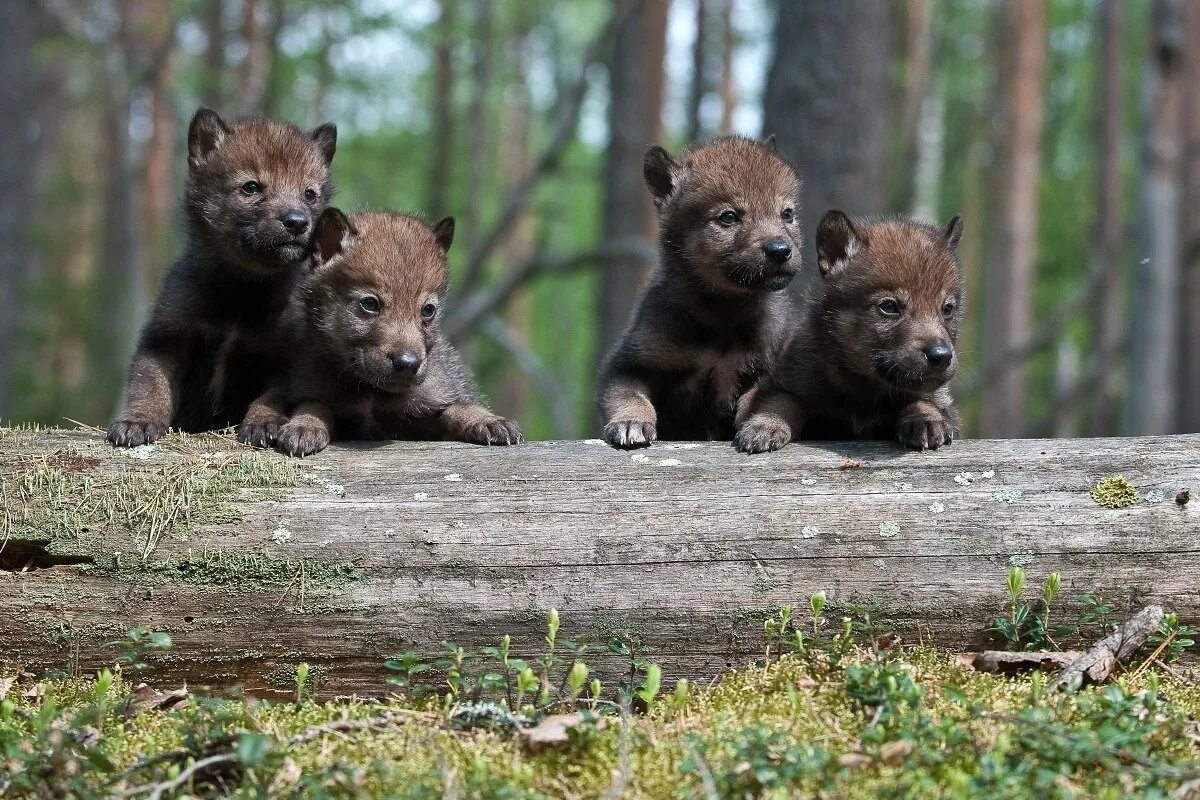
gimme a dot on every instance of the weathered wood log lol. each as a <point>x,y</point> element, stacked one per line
<point>384,548</point>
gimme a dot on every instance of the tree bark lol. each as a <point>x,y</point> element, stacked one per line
<point>828,100</point>
<point>728,83</point>
<point>19,35</point>
<point>1008,282</point>
<point>442,112</point>
<point>1155,330</point>
<point>479,119</point>
<point>255,69</point>
<point>1189,351</point>
<point>699,85</point>
<point>635,122</point>
<point>400,546</point>
<point>213,80</point>
<point>1108,309</point>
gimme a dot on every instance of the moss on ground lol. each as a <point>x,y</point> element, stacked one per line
<point>84,499</point>
<point>914,725</point>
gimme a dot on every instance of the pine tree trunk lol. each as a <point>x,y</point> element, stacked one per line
<point>1189,352</point>
<point>1009,280</point>
<point>442,112</point>
<point>828,101</point>
<point>699,85</point>
<point>635,123</point>
<point>1154,330</point>
<point>1108,321</point>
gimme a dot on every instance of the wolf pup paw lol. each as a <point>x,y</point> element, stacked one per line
<point>628,434</point>
<point>258,434</point>
<point>924,430</point>
<point>497,430</point>
<point>299,439</point>
<point>132,433</point>
<point>762,436</point>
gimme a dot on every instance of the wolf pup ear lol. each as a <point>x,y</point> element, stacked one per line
<point>205,135</point>
<point>443,229</point>
<point>332,235</point>
<point>326,138</point>
<point>837,242</point>
<point>771,143</point>
<point>954,232</point>
<point>662,173</point>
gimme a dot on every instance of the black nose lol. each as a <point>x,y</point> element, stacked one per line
<point>939,355</point>
<point>406,361</point>
<point>777,250</point>
<point>295,221</point>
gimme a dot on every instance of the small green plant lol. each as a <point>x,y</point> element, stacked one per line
<point>1178,637</point>
<point>136,646</point>
<point>1027,625</point>
<point>650,687</point>
<point>775,629</point>
<point>817,604</point>
<point>302,670</point>
<point>405,668</point>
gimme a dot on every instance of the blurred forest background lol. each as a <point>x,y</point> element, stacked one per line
<point>1067,132</point>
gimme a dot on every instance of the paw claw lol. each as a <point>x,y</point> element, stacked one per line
<point>257,435</point>
<point>628,434</point>
<point>496,431</point>
<point>299,441</point>
<point>132,433</point>
<point>762,437</point>
<point>924,431</point>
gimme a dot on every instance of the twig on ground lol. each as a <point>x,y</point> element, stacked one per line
<point>1102,659</point>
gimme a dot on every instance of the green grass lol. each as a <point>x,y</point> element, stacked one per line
<point>860,725</point>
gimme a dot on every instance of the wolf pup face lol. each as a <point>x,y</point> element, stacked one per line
<point>730,210</point>
<point>894,296</point>
<point>376,293</point>
<point>255,188</point>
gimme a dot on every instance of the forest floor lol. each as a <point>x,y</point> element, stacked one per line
<point>836,722</point>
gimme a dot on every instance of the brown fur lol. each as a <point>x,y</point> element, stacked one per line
<point>714,312</point>
<point>855,369</point>
<point>212,343</point>
<point>350,378</point>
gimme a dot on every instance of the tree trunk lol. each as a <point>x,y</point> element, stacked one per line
<point>516,160</point>
<point>159,157</point>
<point>442,113</point>
<point>1189,351</point>
<point>635,122</point>
<point>381,550</point>
<point>1155,330</point>
<point>1009,280</point>
<point>919,101</point>
<point>255,69</point>
<point>1108,310</point>
<point>213,80</point>
<point>19,34</point>
<point>699,87</point>
<point>728,83</point>
<point>479,121</point>
<point>828,100</point>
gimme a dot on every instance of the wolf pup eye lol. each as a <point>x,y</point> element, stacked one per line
<point>788,215</point>
<point>428,311</point>
<point>251,187</point>
<point>727,218</point>
<point>310,195</point>
<point>889,308</point>
<point>948,310</point>
<point>369,304</point>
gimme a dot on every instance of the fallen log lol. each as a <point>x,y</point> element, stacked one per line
<point>255,563</point>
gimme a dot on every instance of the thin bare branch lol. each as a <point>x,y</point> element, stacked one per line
<point>472,309</point>
<point>561,134</point>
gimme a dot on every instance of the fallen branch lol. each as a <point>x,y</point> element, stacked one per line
<point>1099,663</point>
<point>1008,662</point>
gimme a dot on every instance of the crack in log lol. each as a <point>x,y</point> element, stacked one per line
<point>27,556</point>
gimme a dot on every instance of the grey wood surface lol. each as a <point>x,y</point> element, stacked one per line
<point>686,547</point>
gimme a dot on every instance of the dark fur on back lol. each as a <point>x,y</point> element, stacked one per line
<point>714,312</point>
<point>212,342</point>
<point>874,350</point>
<point>370,360</point>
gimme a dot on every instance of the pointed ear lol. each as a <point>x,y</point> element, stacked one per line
<point>332,235</point>
<point>662,173</point>
<point>205,135</point>
<point>443,229</point>
<point>771,143</point>
<point>837,242</point>
<point>326,138</point>
<point>954,232</point>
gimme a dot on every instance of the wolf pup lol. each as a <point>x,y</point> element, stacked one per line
<point>253,191</point>
<point>874,350</point>
<point>372,362</point>
<point>713,314</point>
